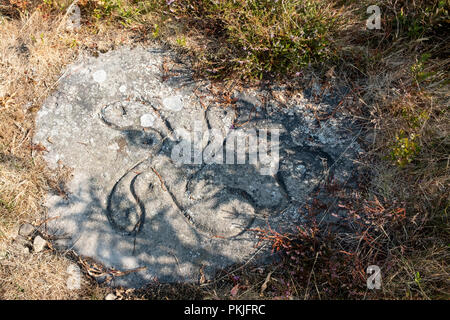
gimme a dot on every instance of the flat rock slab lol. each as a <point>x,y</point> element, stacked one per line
<point>166,178</point>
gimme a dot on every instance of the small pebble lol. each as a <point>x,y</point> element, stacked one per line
<point>110,296</point>
<point>26,230</point>
<point>39,244</point>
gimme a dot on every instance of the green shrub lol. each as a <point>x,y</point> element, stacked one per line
<point>416,19</point>
<point>263,36</point>
<point>278,36</point>
<point>405,148</point>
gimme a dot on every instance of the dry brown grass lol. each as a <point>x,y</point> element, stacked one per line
<point>396,102</point>
<point>34,48</point>
<point>41,276</point>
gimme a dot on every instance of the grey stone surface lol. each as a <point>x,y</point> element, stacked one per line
<point>118,121</point>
